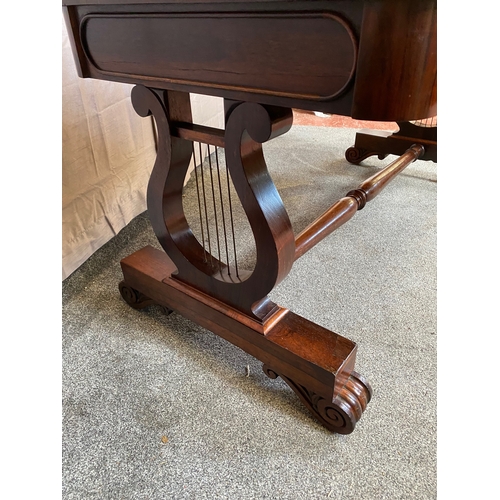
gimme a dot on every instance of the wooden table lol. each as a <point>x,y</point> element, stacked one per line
<point>368,59</point>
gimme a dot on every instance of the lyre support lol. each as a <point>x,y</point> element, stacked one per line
<point>249,125</point>
<point>382,143</point>
<point>196,280</point>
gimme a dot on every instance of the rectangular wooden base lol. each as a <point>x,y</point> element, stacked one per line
<point>295,347</point>
<point>382,143</point>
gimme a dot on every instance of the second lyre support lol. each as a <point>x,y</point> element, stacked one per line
<point>198,276</point>
<point>382,143</point>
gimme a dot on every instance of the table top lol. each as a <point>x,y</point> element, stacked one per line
<point>320,55</point>
<point>139,2</point>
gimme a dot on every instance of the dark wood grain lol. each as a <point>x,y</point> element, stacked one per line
<point>295,54</point>
<point>381,143</point>
<point>162,2</point>
<point>315,362</point>
<point>249,125</point>
<point>342,211</point>
<point>396,77</point>
<point>198,133</point>
<point>370,59</point>
<point>292,66</point>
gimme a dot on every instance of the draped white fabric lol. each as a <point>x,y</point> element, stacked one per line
<point>108,152</point>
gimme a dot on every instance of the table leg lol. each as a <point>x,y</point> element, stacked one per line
<point>233,303</point>
<point>381,143</point>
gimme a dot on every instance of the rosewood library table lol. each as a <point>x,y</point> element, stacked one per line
<point>368,59</point>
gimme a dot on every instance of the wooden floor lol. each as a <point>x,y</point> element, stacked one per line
<point>309,118</point>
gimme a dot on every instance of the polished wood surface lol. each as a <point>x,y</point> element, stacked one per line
<point>247,128</point>
<point>372,59</point>
<point>381,143</point>
<point>396,78</point>
<point>325,56</point>
<point>316,363</point>
<point>290,68</point>
<point>355,200</point>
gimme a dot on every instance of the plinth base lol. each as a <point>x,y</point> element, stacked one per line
<point>316,363</point>
<point>382,143</point>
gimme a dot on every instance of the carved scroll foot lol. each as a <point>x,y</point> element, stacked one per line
<point>383,142</point>
<point>357,155</point>
<point>343,412</point>
<point>315,362</point>
<point>137,300</point>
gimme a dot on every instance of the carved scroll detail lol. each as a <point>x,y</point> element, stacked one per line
<point>137,300</point>
<point>382,144</point>
<point>134,298</point>
<point>357,155</point>
<point>343,412</point>
<point>248,126</point>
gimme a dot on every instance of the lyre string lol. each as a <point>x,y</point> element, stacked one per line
<point>203,213</point>
<point>205,205</point>
<point>222,210</point>
<point>215,205</point>
<point>232,222</point>
<point>199,202</point>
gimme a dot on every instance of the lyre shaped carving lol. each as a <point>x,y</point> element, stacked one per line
<point>248,126</point>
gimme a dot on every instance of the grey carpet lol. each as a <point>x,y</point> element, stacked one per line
<point>156,407</point>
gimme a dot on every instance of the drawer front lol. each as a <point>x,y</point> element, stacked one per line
<point>310,56</point>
